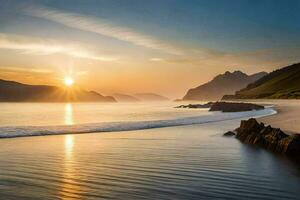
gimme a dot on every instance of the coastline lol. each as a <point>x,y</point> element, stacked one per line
<point>287,117</point>
<point>26,131</point>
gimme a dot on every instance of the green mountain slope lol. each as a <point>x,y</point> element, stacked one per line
<point>283,83</point>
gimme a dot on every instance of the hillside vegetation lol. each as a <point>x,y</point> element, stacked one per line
<point>283,83</point>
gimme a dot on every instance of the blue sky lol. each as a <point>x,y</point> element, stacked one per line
<point>201,37</point>
<point>235,25</point>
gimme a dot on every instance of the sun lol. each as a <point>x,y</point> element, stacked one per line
<point>68,81</point>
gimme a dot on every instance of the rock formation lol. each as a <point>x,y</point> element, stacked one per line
<point>229,133</point>
<point>252,132</point>
<point>207,105</point>
<point>225,106</point>
<point>234,107</point>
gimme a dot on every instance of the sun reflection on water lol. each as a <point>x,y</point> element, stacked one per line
<point>69,188</point>
<point>69,144</point>
<point>68,115</point>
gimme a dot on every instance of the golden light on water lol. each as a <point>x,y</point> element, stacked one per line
<point>68,114</point>
<point>69,143</point>
<point>70,188</point>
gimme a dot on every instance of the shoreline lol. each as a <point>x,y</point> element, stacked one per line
<point>31,131</point>
<point>287,117</point>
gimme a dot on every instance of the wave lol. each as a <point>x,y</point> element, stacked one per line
<point>22,131</point>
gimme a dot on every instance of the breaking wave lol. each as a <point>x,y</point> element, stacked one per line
<point>21,131</point>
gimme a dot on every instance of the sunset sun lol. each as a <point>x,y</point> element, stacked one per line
<point>68,81</point>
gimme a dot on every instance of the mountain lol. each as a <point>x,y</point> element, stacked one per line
<point>11,91</point>
<point>125,98</point>
<point>150,97</point>
<point>226,83</point>
<point>283,83</point>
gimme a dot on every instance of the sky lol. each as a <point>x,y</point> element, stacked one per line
<point>134,46</point>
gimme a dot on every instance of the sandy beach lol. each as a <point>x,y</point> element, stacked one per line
<point>287,117</point>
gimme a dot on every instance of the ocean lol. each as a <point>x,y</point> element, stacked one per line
<point>33,119</point>
<point>134,151</point>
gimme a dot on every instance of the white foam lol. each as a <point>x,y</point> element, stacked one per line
<point>21,131</point>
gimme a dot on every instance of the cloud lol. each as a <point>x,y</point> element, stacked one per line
<point>156,59</point>
<point>262,59</point>
<point>26,75</point>
<point>101,26</point>
<point>25,69</point>
<point>37,46</point>
<point>201,57</point>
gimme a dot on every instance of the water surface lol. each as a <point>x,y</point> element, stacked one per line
<point>177,162</point>
<point>35,119</point>
<point>184,162</point>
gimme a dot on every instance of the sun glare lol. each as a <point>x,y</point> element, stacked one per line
<point>68,81</point>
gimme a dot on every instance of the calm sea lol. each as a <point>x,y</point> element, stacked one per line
<point>167,154</point>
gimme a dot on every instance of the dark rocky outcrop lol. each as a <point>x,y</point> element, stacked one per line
<point>234,107</point>
<point>225,106</point>
<point>207,105</point>
<point>252,132</point>
<point>229,133</point>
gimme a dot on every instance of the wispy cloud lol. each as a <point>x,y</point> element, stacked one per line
<point>156,59</point>
<point>101,26</point>
<point>37,46</point>
<point>25,69</point>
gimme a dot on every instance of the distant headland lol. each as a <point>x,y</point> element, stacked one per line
<point>11,91</point>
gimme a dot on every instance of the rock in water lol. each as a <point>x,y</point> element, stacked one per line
<point>252,132</point>
<point>234,107</point>
<point>293,145</point>
<point>207,105</point>
<point>229,133</point>
<point>225,106</point>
